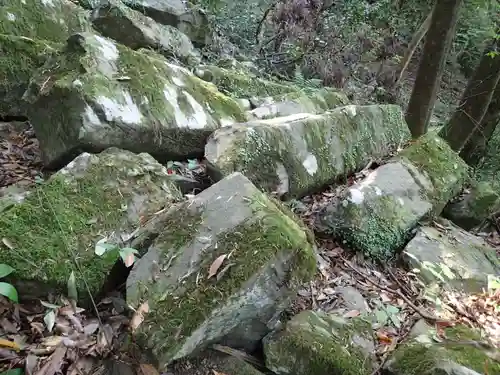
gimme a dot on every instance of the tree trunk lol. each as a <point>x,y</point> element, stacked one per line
<point>466,120</point>
<point>474,150</point>
<point>437,44</point>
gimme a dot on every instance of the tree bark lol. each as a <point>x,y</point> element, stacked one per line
<point>437,44</point>
<point>474,150</point>
<point>465,125</point>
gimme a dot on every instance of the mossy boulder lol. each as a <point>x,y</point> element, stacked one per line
<point>61,220</point>
<point>95,94</point>
<point>296,154</point>
<point>267,253</point>
<point>52,20</point>
<point>474,206</point>
<point>377,215</point>
<point>115,20</point>
<point>190,19</point>
<point>421,355</point>
<point>319,101</point>
<point>319,343</point>
<point>241,83</point>
<point>19,58</point>
<point>448,254</point>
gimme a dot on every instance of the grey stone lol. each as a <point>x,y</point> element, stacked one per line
<point>269,256</point>
<point>319,343</point>
<point>183,15</point>
<point>135,30</point>
<point>449,253</point>
<point>295,154</point>
<point>107,95</point>
<point>353,299</point>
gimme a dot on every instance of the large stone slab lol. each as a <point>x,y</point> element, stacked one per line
<point>377,215</point>
<point>183,15</point>
<point>19,58</point>
<point>96,94</point>
<point>268,256</point>
<point>473,206</point>
<point>457,355</point>
<point>448,254</point>
<point>95,196</point>
<point>318,343</point>
<point>115,20</point>
<point>51,20</point>
<point>295,154</point>
<point>241,83</point>
<point>318,101</point>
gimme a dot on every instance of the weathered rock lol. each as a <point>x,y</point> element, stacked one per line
<point>423,355</point>
<point>50,20</point>
<point>95,196</point>
<point>234,366</point>
<point>352,299</point>
<point>289,104</point>
<point>296,154</point>
<point>19,58</point>
<point>451,255</point>
<point>318,343</point>
<point>474,206</point>
<point>115,20</point>
<point>377,215</point>
<point>96,94</point>
<point>241,83</point>
<point>183,15</point>
<point>269,255</point>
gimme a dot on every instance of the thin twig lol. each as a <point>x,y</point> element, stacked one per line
<point>396,292</point>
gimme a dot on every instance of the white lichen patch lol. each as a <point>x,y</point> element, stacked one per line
<point>178,69</point>
<point>49,3</point>
<point>310,164</point>
<point>89,118</point>
<point>11,16</point>
<point>356,196</point>
<point>107,48</point>
<point>378,191</point>
<point>77,83</point>
<point>350,110</point>
<point>127,112</point>
<point>282,174</point>
<point>196,120</point>
<point>176,81</point>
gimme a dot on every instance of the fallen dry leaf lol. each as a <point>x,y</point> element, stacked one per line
<point>217,372</point>
<point>138,317</point>
<point>9,344</point>
<point>54,363</point>
<point>383,338</point>
<point>351,314</point>
<point>216,265</point>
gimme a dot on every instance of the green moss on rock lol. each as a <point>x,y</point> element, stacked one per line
<point>416,358</point>
<point>94,89</point>
<point>240,84</point>
<point>61,220</point>
<point>434,158</point>
<point>19,58</point>
<point>184,302</point>
<point>318,343</point>
<point>52,20</point>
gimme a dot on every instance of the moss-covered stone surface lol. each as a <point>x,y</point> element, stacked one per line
<point>423,356</point>
<point>318,343</point>
<point>450,254</point>
<point>434,158</point>
<point>242,84</point>
<point>376,215</point>
<point>96,94</point>
<point>474,206</point>
<point>19,58</point>
<point>268,256</point>
<point>295,154</point>
<point>61,220</point>
<point>316,102</point>
<point>52,20</point>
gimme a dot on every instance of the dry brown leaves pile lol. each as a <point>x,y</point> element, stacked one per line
<point>19,155</point>
<point>46,339</point>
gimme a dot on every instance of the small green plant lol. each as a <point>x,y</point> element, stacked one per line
<point>127,254</point>
<point>7,289</point>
